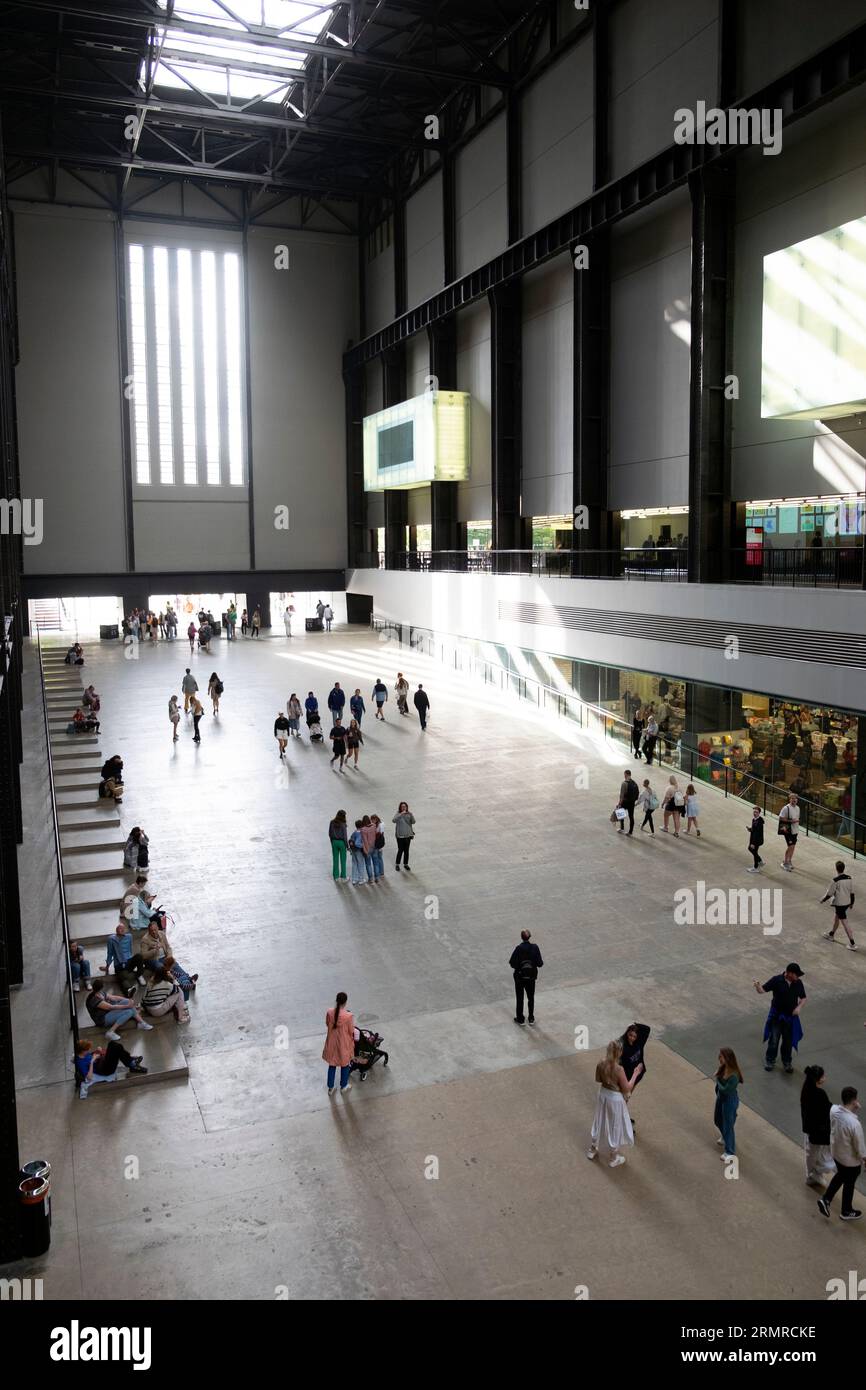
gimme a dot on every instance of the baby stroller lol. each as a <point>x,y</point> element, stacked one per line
<point>367,1052</point>
<point>316,735</point>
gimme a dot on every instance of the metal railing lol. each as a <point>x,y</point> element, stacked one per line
<point>827,568</point>
<point>64,915</point>
<point>663,563</point>
<point>671,755</point>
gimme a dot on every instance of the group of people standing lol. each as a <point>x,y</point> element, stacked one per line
<point>365,844</point>
<point>142,624</point>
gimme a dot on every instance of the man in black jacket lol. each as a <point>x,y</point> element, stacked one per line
<point>525,962</point>
<point>422,705</point>
<point>628,794</point>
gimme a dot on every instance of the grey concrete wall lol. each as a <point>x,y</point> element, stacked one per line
<point>379,283</point>
<point>556,138</point>
<point>425,256</point>
<point>473,375</point>
<point>548,396</point>
<point>480,191</point>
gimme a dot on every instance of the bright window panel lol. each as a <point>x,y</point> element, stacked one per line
<point>210,353</point>
<point>138,363</point>
<point>232,296</point>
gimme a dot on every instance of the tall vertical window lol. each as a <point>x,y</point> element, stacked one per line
<point>186,358</point>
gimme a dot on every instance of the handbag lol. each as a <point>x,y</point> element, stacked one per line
<point>618,813</point>
<point>653,803</point>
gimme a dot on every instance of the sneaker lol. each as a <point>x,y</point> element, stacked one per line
<point>852,946</point>
<point>397,867</point>
<point>331,1090</point>
<point>347,1087</point>
<point>592,1153</point>
<point>769,1066</point>
<point>616,1162</point>
<point>725,1156</point>
<point>531,1021</point>
<point>77,986</point>
<point>112,1036</point>
<point>828,936</point>
<point>406,867</point>
<point>148,1027</point>
<point>853,1215</point>
<point>823,1206</point>
<point>752,871</point>
<point>789,1070</point>
<point>137,1068</point>
<point>521,1021</point>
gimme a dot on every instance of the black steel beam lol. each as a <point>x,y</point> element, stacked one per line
<point>347,56</point>
<point>178,581</point>
<point>356,499</point>
<point>821,78</point>
<point>401,287</point>
<point>712,193</point>
<point>592,398</point>
<point>396,521</point>
<point>728,78</point>
<point>506,387</point>
<point>514,169</point>
<point>600,94</point>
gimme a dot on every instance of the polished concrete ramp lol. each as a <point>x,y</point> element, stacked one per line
<point>508,835</point>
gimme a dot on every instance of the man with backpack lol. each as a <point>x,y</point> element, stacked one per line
<point>525,962</point>
<point>841,894</point>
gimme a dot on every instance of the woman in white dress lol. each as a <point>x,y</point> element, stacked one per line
<point>611,1124</point>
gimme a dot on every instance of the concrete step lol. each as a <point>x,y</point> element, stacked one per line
<point>88,841</point>
<point>91,927</point>
<point>99,817</point>
<point>161,1052</point>
<point>70,750</point>
<point>78,796</point>
<point>74,781</point>
<point>90,760</point>
<point>103,892</point>
<point>71,740</point>
<point>82,866</point>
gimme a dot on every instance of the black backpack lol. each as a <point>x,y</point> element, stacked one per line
<point>526,970</point>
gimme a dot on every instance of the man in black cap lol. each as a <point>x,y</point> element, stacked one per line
<point>783,1021</point>
<point>525,962</point>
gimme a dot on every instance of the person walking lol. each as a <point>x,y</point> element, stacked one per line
<point>197,712</point>
<point>789,826</point>
<point>293,710</point>
<point>337,700</point>
<point>849,1153</point>
<point>633,1042</point>
<point>422,705</point>
<point>174,717</point>
<point>378,846</point>
<point>728,1078</point>
<point>672,805</point>
<point>525,961</point>
<point>691,809</point>
<point>282,732</point>
<point>628,795</point>
<point>328,616</point>
<point>783,1021</point>
<point>380,695</point>
<point>339,1046</point>
<point>338,834</point>
<point>255,625</point>
<point>840,892</point>
<point>637,728</point>
<point>354,739</point>
<point>650,736</point>
<point>231,621</point>
<point>245,622</point>
<point>404,829</point>
<point>215,689</point>
<point>401,690</point>
<point>189,686</point>
<point>338,743</point>
<point>190,632</point>
<point>756,839</point>
<point>311,705</point>
<point>357,707</point>
<point>815,1107</point>
<point>320,610</point>
<point>648,801</point>
<point>611,1123</point>
<point>287,620</point>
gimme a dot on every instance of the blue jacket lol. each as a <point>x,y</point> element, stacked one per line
<point>357,706</point>
<point>337,699</point>
<point>311,703</point>
<point>119,950</point>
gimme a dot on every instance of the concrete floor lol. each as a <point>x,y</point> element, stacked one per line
<point>251,1181</point>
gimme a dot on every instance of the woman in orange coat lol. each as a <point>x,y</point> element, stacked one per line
<point>339,1046</point>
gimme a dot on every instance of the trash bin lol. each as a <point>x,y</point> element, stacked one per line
<point>108,632</point>
<point>34,1192</point>
<point>216,628</point>
<point>314,625</point>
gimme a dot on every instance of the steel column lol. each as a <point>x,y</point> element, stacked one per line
<point>592,531</point>
<point>356,502</point>
<point>506,380</point>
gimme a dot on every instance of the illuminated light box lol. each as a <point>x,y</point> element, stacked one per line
<point>420,441</point>
<point>813,349</point>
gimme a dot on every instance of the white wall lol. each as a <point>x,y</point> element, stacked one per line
<point>663,56</point>
<point>650,332</point>
<point>425,255</point>
<point>468,606</point>
<point>548,397</point>
<point>480,193</point>
<point>69,389</point>
<point>300,323</point>
<point>473,375</point>
<point>816,183</point>
<point>557,138</point>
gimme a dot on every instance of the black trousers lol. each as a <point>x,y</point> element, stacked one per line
<point>114,1053</point>
<point>628,807</point>
<point>403,843</point>
<point>844,1178</point>
<point>755,851</point>
<point>127,975</point>
<point>422,715</point>
<point>196,719</point>
<point>527,987</point>
<point>649,749</point>
<point>648,819</point>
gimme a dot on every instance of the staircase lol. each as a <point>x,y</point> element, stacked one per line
<point>48,615</point>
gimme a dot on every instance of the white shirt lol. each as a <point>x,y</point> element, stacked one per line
<point>846,1137</point>
<point>790,813</point>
